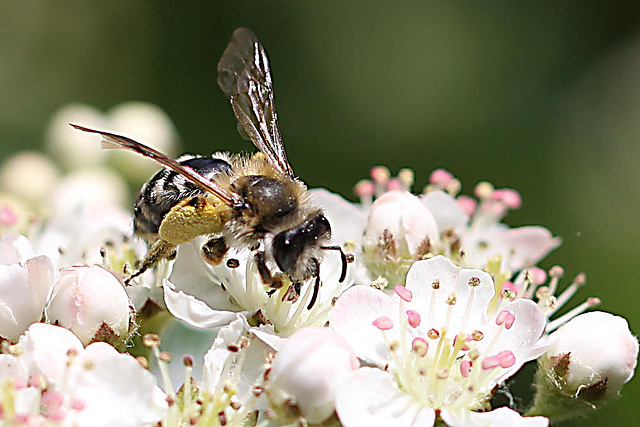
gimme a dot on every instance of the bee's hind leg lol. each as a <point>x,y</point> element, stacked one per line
<point>160,250</point>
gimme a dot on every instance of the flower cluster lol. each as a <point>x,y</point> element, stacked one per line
<point>441,305</point>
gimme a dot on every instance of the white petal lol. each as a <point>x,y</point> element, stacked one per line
<point>523,339</point>
<point>369,397</point>
<point>347,219</point>
<point>78,303</point>
<point>15,249</point>
<point>525,246</point>
<point>23,295</point>
<point>600,346</point>
<point>130,398</point>
<point>193,311</point>
<point>353,316</point>
<point>45,350</point>
<point>308,369</point>
<point>452,280</point>
<point>498,417</point>
<point>268,337</point>
<point>192,275</point>
<point>218,354</point>
<point>445,210</point>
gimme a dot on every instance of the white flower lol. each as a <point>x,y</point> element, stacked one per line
<point>231,388</point>
<point>476,235</point>
<point>77,150</point>
<point>498,417</point>
<point>600,348</point>
<point>592,356</point>
<point>348,221</point>
<point>400,230</point>
<point>61,383</point>
<point>30,176</point>
<point>25,284</point>
<point>147,123</point>
<point>91,303</point>
<point>210,296</point>
<point>437,342</point>
<point>307,370</point>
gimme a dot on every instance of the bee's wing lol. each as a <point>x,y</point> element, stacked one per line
<point>193,176</point>
<point>244,76</point>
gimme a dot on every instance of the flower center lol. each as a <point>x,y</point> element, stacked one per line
<point>438,366</point>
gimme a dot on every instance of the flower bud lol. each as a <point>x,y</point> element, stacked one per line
<point>147,123</point>
<point>92,303</point>
<point>73,149</point>
<point>400,229</point>
<point>30,176</point>
<point>590,359</point>
<point>306,370</point>
<point>25,283</point>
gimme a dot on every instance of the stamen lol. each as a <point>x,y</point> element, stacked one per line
<point>413,318</point>
<point>490,362</point>
<point>483,190</point>
<point>394,184</point>
<point>384,323</point>
<point>406,178</point>
<point>365,190</point>
<point>380,175</point>
<point>465,368</point>
<point>511,198</point>
<point>153,341</point>
<point>589,303</point>
<point>441,178</point>
<point>403,293</point>
<point>467,204</point>
<point>571,290</point>
<point>507,359</point>
<point>419,346</point>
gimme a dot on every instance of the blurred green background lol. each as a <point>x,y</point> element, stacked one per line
<point>539,96</point>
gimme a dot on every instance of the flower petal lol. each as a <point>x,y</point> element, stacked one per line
<point>353,316</point>
<point>522,339</point>
<point>445,210</point>
<point>498,417</point>
<point>370,397</point>
<point>347,219</point>
<point>193,311</point>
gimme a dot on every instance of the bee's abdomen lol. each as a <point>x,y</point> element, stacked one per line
<point>167,188</point>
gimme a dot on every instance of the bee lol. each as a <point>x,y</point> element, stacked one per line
<point>240,201</point>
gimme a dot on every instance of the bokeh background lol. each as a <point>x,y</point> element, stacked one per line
<point>539,96</point>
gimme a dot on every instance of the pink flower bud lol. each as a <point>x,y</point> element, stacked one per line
<point>90,301</point>
<point>25,283</point>
<point>602,353</point>
<point>404,219</point>
<point>307,369</point>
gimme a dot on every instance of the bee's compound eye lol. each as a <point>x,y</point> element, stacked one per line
<point>289,245</point>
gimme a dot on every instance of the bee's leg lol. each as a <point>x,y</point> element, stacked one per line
<point>160,250</point>
<point>263,270</point>
<point>316,285</point>
<point>214,250</point>
<point>343,258</point>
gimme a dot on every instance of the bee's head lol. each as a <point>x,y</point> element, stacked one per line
<point>296,250</point>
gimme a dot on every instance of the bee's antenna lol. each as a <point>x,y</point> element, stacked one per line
<point>343,258</point>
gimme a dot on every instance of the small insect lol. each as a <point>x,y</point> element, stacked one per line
<point>241,201</point>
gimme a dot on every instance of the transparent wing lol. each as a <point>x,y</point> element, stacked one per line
<point>227,197</point>
<point>244,76</point>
